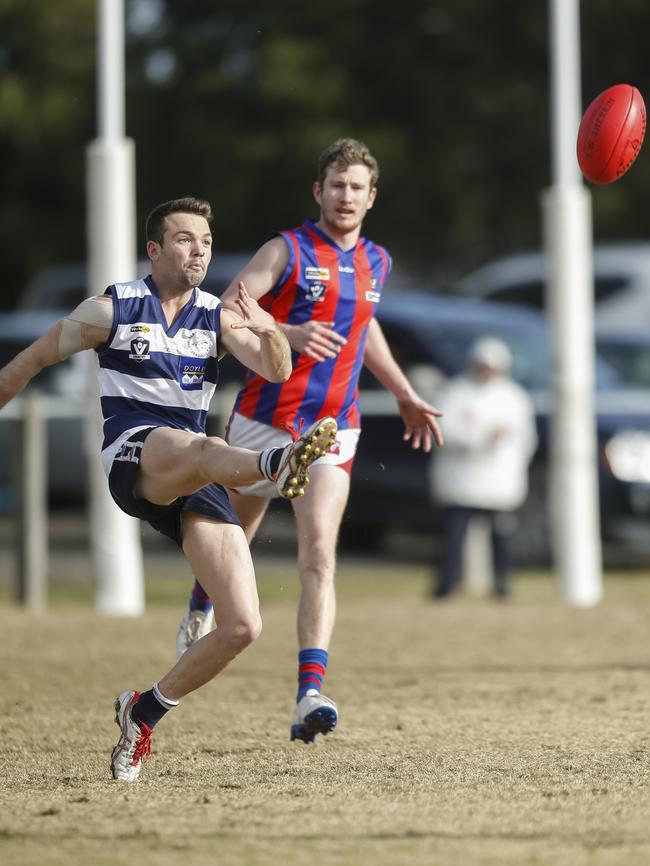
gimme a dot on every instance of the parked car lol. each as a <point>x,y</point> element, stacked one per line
<point>430,337</point>
<point>621,282</point>
<point>628,451</point>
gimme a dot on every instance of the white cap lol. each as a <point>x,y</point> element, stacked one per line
<point>491,352</point>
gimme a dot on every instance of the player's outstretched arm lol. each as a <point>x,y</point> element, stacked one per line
<point>255,339</point>
<point>420,418</point>
<point>22,369</point>
<point>87,327</point>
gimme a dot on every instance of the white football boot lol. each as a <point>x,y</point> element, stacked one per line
<point>194,625</point>
<point>300,454</point>
<point>134,745</point>
<point>314,714</point>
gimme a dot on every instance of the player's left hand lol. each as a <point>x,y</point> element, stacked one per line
<point>420,423</point>
<point>253,316</point>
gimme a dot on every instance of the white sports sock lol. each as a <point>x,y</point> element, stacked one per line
<point>167,703</point>
<point>269,462</point>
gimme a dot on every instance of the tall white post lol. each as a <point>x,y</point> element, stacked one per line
<point>568,239</point>
<point>33,503</point>
<point>115,537</point>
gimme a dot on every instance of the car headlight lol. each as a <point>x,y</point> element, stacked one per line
<point>628,455</point>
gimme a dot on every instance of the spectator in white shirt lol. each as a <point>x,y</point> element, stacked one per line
<point>490,437</point>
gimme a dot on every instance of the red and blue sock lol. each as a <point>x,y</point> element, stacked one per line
<point>312,664</point>
<point>199,599</point>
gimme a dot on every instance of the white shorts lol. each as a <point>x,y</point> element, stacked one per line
<point>246,433</point>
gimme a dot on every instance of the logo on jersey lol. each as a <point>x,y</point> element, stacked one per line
<point>373,295</point>
<point>140,350</point>
<point>316,292</point>
<point>319,274</point>
<point>130,452</point>
<point>345,269</point>
<point>199,344</point>
<point>140,329</point>
<point>192,373</point>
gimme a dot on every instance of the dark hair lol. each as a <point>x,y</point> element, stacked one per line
<point>345,152</point>
<point>155,228</point>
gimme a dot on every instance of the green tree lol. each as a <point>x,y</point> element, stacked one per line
<point>259,89</point>
<point>233,100</point>
<point>47,56</point>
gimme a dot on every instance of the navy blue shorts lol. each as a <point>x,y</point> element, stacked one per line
<point>211,500</point>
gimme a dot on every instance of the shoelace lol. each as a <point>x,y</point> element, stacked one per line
<point>142,749</point>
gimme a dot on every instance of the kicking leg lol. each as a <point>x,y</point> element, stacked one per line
<point>175,463</point>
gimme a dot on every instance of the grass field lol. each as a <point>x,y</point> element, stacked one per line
<point>471,732</point>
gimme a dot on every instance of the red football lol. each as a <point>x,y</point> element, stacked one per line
<point>611,133</point>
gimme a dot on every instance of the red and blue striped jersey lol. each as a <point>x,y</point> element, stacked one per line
<point>322,283</point>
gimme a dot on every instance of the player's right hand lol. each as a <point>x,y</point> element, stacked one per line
<point>315,339</point>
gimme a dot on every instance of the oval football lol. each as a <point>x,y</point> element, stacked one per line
<point>611,133</point>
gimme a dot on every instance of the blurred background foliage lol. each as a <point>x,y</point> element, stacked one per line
<point>233,100</point>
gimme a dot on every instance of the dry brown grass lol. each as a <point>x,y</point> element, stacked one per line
<point>471,733</point>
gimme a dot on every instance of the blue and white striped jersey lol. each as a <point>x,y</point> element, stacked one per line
<point>154,375</point>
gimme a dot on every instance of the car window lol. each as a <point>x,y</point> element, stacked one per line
<point>631,361</point>
<point>530,354</point>
<point>530,293</point>
<point>408,352</point>
<point>444,346</point>
<point>605,287</point>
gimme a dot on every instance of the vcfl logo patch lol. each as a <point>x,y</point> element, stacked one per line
<point>140,349</point>
<point>316,292</point>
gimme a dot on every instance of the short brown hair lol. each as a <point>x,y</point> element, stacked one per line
<point>155,228</point>
<point>345,152</point>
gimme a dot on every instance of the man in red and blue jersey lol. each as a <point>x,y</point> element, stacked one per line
<point>322,283</point>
